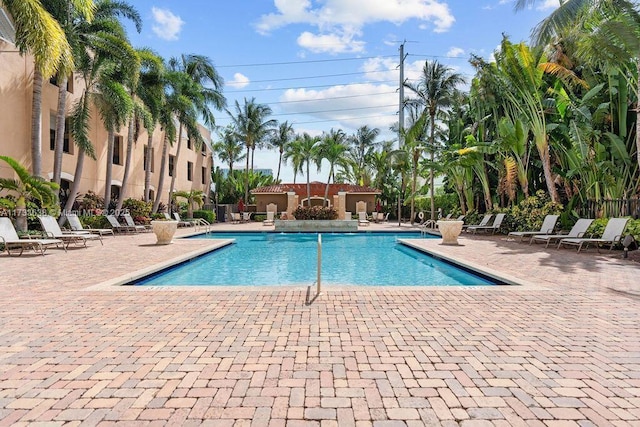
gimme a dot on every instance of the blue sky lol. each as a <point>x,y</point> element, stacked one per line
<point>323,64</point>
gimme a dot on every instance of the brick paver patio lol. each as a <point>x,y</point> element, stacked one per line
<point>562,349</point>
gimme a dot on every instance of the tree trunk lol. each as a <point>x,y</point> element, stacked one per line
<point>545,157</point>
<point>326,189</point>
<point>163,163</point>
<point>207,182</point>
<point>127,164</point>
<point>279,164</point>
<point>21,214</point>
<point>36,124</point>
<point>638,114</point>
<point>74,191</point>
<point>147,165</point>
<point>308,186</point>
<point>60,124</point>
<point>107,179</point>
<point>414,179</point>
<point>432,139</point>
<point>175,168</point>
<point>246,176</point>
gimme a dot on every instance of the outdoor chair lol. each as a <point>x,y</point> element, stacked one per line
<point>497,223</point>
<point>76,225</point>
<point>270,218</point>
<point>547,227</point>
<point>611,235</point>
<point>362,219</point>
<point>176,217</point>
<point>52,230</point>
<point>130,223</point>
<point>577,231</point>
<point>9,239</point>
<point>119,228</point>
<point>485,220</point>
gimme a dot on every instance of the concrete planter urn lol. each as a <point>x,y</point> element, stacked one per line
<point>164,231</point>
<point>450,230</point>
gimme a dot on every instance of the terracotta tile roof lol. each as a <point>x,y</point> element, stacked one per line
<point>317,189</point>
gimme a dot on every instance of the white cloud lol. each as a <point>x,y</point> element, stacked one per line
<point>239,81</point>
<point>455,52</point>
<point>548,4</point>
<point>343,19</point>
<point>330,43</point>
<point>167,26</point>
<point>351,106</point>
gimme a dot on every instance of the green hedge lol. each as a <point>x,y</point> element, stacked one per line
<point>208,216</point>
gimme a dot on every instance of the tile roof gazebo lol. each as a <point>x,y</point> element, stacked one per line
<point>343,197</point>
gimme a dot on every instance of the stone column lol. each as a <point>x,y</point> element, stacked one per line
<point>292,203</point>
<point>341,204</point>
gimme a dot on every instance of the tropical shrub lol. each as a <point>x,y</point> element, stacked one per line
<point>94,221</point>
<point>315,213</point>
<point>137,208</point>
<point>208,216</point>
<point>90,202</point>
<point>529,214</point>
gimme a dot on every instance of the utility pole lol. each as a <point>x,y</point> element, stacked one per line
<point>401,101</point>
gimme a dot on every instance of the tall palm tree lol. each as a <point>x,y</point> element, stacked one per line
<point>40,34</point>
<point>229,149</point>
<point>309,150</point>
<point>414,139</point>
<point>193,196</point>
<point>102,51</point>
<point>293,153</point>
<point>27,187</point>
<point>252,125</point>
<point>435,91</point>
<point>400,162</point>
<point>145,89</point>
<point>362,143</point>
<point>204,93</point>
<point>332,148</point>
<point>279,140</point>
<point>613,40</point>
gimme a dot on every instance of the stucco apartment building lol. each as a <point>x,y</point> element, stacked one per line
<point>193,167</point>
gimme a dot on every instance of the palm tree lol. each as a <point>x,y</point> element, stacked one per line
<point>293,153</point>
<point>40,34</point>
<point>193,196</point>
<point>309,149</point>
<point>102,52</point>
<point>363,143</point>
<point>202,98</point>
<point>229,149</point>
<point>27,187</point>
<point>332,148</point>
<point>400,162</point>
<point>414,138</point>
<point>612,40</point>
<point>251,123</point>
<point>435,91</point>
<point>280,139</point>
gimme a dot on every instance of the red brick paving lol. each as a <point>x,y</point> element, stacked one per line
<point>563,349</point>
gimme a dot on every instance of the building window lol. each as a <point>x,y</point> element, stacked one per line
<point>54,81</point>
<point>172,160</point>
<point>189,171</point>
<point>203,149</point>
<point>189,143</point>
<point>144,164</point>
<point>204,175</point>
<point>117,150</point>
<point>66,145</point>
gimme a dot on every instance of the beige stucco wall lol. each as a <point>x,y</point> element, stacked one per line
<point>16,74</point>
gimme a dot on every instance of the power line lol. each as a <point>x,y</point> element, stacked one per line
<point>307,87</point>
<point>342,119</point>
<point>320,76</point>
<point>312,61</point>
<point>331,98</point>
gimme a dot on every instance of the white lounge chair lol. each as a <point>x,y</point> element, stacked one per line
<point>9,240</point>
<point>547,227</point>
<point>119,228</point>
<point>611,235</point>
<point>362,219</point>
<point>193,222</point>
<point>176,217</point>
<point>497,223</point>
<point>577,231</point>
<point>270,218</point>
<point>76,225</point>
<point>52,229</point>
<point>133,225</point>
<point>483,223</point>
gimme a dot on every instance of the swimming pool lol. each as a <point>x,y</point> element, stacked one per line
<point>263,259</point>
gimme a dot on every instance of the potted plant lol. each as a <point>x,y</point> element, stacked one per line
<point>164,229</point>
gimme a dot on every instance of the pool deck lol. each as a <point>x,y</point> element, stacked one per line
<point>562,348</point>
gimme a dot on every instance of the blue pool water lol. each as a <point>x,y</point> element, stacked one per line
<point>291,258</point>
